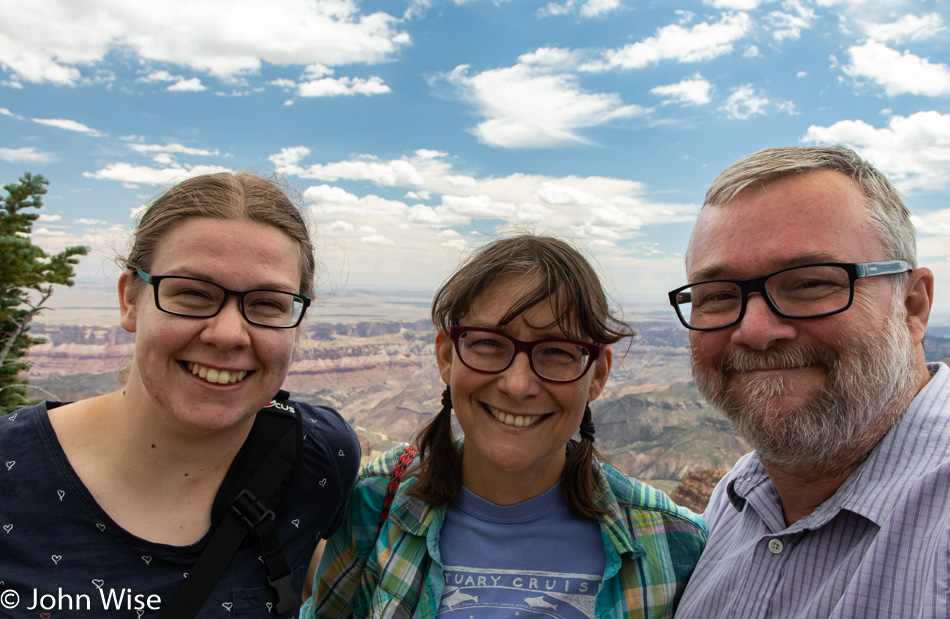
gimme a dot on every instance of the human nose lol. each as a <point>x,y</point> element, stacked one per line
<point>760,326</point>
<point>519,380</point>
<point>228,328</point>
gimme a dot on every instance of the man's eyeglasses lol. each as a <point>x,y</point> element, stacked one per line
<point>197,298</point>
<point>491,352</point>
<point>808,291</point>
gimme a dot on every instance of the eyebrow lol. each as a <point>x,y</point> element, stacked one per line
<point>186,272</point>
<point>717,272</point>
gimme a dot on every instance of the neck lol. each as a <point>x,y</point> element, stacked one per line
<point>506,487</point>
<point>150,450</point>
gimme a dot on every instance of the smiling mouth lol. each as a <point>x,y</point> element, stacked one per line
<point>218,377</point>
<point>518,421</point>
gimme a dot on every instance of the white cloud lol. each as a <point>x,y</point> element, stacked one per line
<point>25,155</point>
<point>907,28</point>
<point>789,23</point>
<point>913,151</point>
<point>898,73</point>
<point>588,8</point>
<point>595,202</point>
<point>90,222</point>
<point>46,217</point>
<point>342,86</point>
<point>536,103</point>
<point>190,85</point>
<point>221,37</point>
<point>934,222</point>
<point>144,175</point>
<point>693,90</point>
<point>172,147</point>
<point>734,5</point>
<point>377,239</point>
<point>699,43</point>
<point>69,125</point>
<point>744,103</point>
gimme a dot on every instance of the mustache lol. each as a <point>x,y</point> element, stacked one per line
<point>786,357</point>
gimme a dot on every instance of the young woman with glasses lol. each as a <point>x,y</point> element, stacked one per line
<point>107,502</point>
<point>518,518</point>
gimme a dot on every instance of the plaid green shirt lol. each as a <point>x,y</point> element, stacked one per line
<point>651,545</point>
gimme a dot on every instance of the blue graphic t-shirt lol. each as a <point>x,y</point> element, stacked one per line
<point>532,559</point>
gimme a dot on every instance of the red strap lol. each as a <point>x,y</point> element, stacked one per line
<point>404,461</point>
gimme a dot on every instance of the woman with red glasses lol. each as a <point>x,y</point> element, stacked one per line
<point>518,518</point>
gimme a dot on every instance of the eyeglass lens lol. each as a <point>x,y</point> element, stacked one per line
<point>797,293</point>
<point>200,299</point>
<point>560,360</point>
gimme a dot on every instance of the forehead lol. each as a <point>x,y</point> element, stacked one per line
<point>228,250</point>
<point>508,291</point>
<point>818,216</point>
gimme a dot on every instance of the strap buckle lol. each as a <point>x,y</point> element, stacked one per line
<point>250,510</point>
<point>287,598</point>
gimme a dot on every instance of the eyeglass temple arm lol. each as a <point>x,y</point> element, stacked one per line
<point>889,267</point>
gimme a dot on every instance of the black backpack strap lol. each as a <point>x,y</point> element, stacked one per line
<point>250,510</point>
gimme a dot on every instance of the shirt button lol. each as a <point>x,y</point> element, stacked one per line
<point>775,546</point>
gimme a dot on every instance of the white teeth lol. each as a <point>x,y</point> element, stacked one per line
<point>519,421</point>
<point>220,377</point>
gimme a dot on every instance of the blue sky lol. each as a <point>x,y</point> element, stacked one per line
<point>414,130</point>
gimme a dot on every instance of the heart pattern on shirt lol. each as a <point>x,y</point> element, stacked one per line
<point>98,582</point>
<point>60,494</point>
<point>147,559</point>
<point>295,522</point>
<point>10,464</point>
<point>101,527</point>
<point>227,606</point>
<point>12,416</point>
<point>57,558</point>
<point>323,482</point>
<point>7,528</point>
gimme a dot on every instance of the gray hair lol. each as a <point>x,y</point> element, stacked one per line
<point>887,214</point>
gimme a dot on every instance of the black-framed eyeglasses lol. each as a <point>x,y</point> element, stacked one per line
<point>197,298</point>
<point>807,291</point>
<point>492,352</point>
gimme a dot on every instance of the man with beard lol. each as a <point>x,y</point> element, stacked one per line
<point>807,314</point>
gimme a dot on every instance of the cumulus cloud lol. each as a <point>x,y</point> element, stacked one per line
<point>907,28</point>
<point>172,147</point>
<point>597,202</point>
<point>588,8</point>
<point>27,154</point>
<point>537,102</point>
<point>912,151</point>
<point>134,175</point>
<point>69,125</point>
<point>342,86</point>
<point>898,73</point>
<point>698,43</point>
<point>220,37</point>
<point>744,103</point>
<point>734,5</point>
<point>789,22</point>
<point>693,90</point>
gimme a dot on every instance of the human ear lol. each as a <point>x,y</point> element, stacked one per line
<point>128,302</point>
<point>444,354</point>
<point>601,371</point>
<point>918,298</point>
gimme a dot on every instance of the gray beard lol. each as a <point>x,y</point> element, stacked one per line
<point>870,383</point>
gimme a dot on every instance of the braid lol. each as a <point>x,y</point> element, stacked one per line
<point>440,468</point>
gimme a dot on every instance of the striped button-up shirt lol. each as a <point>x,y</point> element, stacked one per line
<point>650,543</point>
<point>878,548</point>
